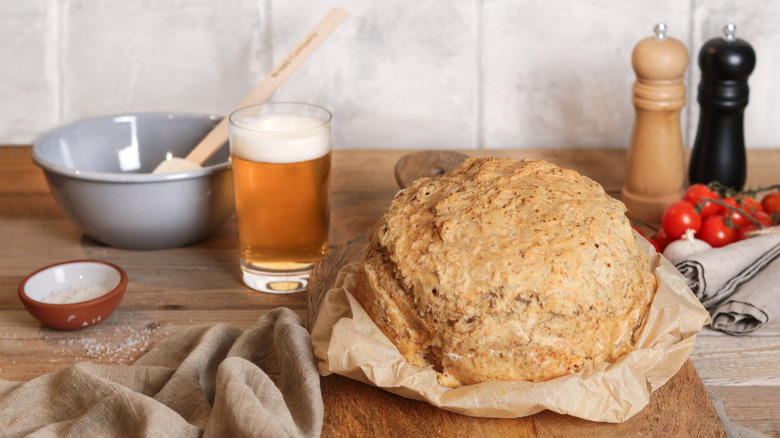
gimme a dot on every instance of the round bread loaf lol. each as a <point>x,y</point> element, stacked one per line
<point>506,270</point>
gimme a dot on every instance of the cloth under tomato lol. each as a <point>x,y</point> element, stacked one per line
<point>739,284</point>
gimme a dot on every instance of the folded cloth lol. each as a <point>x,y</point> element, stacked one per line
<point>211,381</point>
<point>739,283</point>
<point>753,303</point>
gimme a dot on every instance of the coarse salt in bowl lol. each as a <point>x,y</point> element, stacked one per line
<point>75,294</point>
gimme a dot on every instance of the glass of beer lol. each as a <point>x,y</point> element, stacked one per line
<point>281,154</point>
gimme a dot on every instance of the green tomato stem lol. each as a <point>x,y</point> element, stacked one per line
<point>728,191</point>
<point>731,207</point>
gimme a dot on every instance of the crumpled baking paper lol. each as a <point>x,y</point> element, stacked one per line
<point>347,342</point>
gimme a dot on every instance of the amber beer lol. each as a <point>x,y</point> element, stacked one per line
<point>282,212</point>
<point>281,160</point>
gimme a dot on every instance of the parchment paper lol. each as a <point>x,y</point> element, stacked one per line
<point>347,342</point>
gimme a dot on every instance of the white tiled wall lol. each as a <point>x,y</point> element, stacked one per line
<point>428,74</point>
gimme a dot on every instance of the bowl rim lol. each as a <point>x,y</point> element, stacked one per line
<point>125,177</point>
<point>118,290</point>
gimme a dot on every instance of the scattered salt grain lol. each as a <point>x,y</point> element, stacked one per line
<point>75,294</point>
<point>127,344</point>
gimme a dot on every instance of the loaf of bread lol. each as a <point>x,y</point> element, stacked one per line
<point>506,270</point>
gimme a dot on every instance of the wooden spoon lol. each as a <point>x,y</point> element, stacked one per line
<point>219,135</point>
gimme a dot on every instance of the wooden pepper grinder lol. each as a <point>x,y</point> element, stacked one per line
<point>655,167</point>
<point>719,150</point>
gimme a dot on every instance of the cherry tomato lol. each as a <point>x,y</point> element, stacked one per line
<point>771,203</point>
<point>763,218</point>
<point>715,231</point>
<point>736,218</point>
<point>679,217</point>
<point>742,231</point>
<point>697,194</point>
<point>749,204</point>
<point>662,239</point>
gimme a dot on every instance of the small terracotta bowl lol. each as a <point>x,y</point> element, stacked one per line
<point>78,280</point>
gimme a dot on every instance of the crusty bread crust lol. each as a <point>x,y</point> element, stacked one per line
<point>506,270</point>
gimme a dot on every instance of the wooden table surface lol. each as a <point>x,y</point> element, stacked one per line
<point>200,284</point>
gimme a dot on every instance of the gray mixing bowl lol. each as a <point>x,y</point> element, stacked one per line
<point>99,171</point>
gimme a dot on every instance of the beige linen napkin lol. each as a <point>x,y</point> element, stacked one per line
<point>739,283</point>
<point>211,381</point>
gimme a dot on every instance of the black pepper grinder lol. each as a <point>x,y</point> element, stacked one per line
<point>719,150</point>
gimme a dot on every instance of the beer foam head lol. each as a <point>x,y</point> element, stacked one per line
<point>280,138</point>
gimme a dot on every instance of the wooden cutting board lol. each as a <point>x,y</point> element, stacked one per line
<point>679,408</point>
